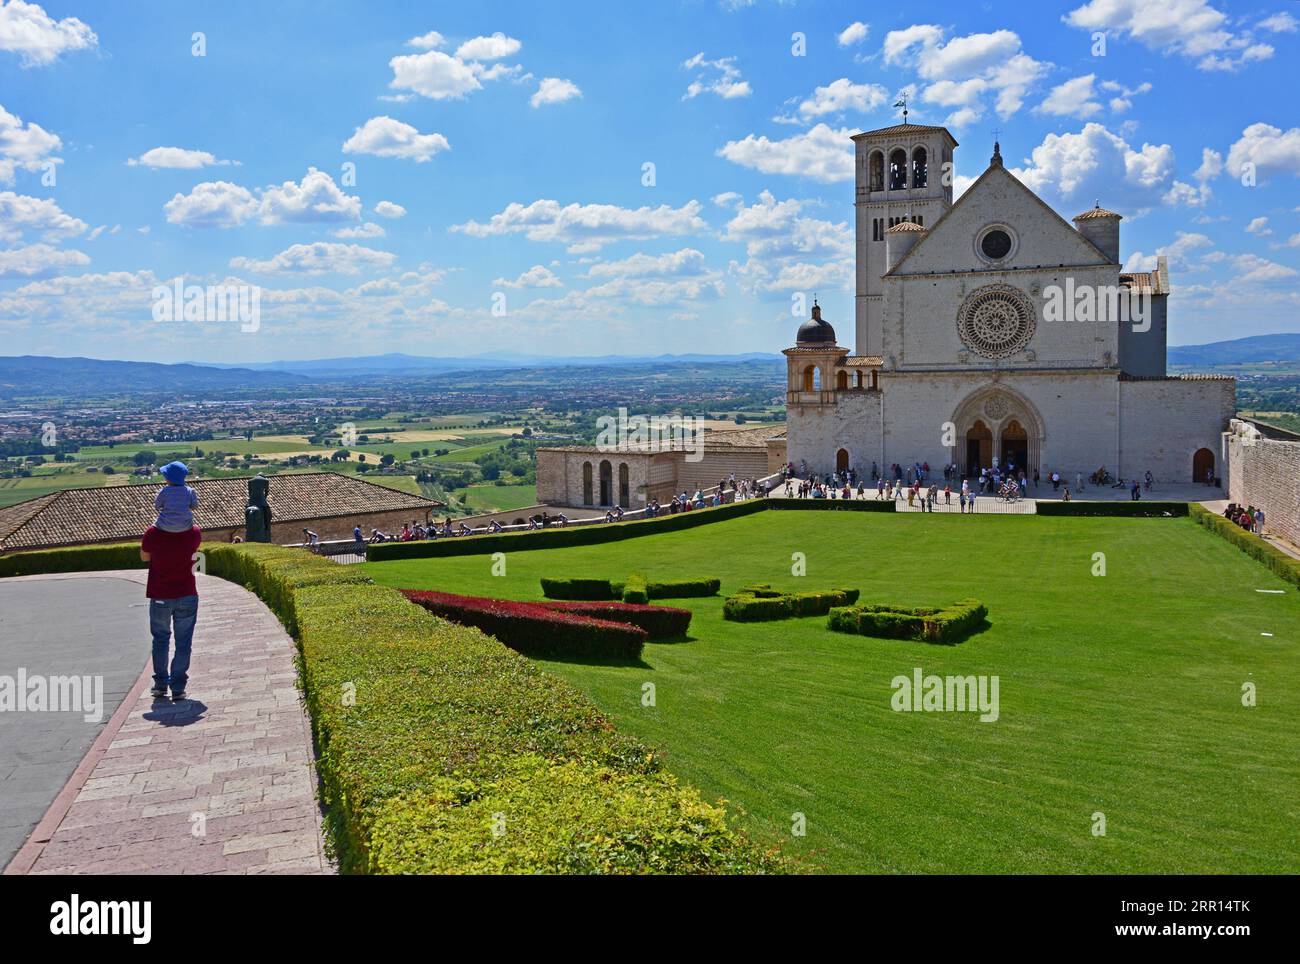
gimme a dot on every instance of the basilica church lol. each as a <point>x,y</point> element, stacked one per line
<point>963,353</point>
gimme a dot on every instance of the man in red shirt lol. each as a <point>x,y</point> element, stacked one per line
<point>173,604</point>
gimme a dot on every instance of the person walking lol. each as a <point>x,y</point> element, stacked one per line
<point>173,605</point>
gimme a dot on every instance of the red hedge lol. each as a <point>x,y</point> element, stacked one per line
<point>535,630</point>
<point>661,622</point>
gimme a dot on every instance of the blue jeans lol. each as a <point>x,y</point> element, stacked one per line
<point>166,616</point>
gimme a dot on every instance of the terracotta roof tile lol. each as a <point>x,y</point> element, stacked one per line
<point>109,513</point>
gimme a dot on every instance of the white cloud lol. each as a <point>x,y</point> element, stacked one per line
<point>1259,227</point>
<point>433,74</point>
<point>427,41</point>
<point>1095,163</point>
<point>587,227</point>
<point>854,33</point>
<point>220,204</point>
<point>367,230</point>
<point>1280,23</point>
<point>213,204</point>
<point>687,262</point>
<point>1074,98</point>
<point>28,146</point>
<point>1211,165</point>
<point>1192,28</point>
<point>178,158</point>
<point>26,29</point>
<point>554,90</point>
<point>778,229</point>
<point>488,48</point>
<point>316,198</point>
<point>721,77</point>
<point>842,95</point>
<point>965,67</point>
<point>38,260</point>
<point>387,209</point>
<point>821,153</point>
<point>319,257</point>
<point>21,214</point>
<point>538,276</point>
<point>386,137</point>
<point>1251,267</point>
<point>1270,149</point>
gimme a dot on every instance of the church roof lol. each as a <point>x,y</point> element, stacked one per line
<point>907,129</point>
<point>115,512</point>
<point>904,226</point>
<point>1097,212</point>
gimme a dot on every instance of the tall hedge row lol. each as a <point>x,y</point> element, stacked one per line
<point>1137,508</point>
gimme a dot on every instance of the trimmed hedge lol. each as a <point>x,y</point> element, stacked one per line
<point>420,723</point>
<point>1133,509</point>
<point>1258,549</point>
<point>577,588</point>
<point>601,589</point>
<point>661,622</point>
<point>833,505</point>
<point>125,555</point>
<point>536,630</point>
<point>949,624</point>
<point>761,603</point>
<point>557,536</point>
<point>634,590</point>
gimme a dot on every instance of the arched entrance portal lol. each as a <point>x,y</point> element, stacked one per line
<point>1202,466</point>
<point>842,460</point>
<point>606,483</point>
<point>979,448</point>
<point>1015,445</point>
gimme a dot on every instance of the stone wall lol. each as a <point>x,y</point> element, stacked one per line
<point>651,475</point>
<point>1165,421</point>
<point>1265,472</point>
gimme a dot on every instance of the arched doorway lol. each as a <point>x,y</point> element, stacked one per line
<point>586,483</point>
<point>1202,465</point>
<point>979,448</point>
<point>623,492</point>
<point>1015,445</point>
<point>606,483</point>
<point>841,380</point>
<point>842,460</point>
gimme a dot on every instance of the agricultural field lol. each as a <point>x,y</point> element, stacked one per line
<point>494,498</point>
<point>1118,694</point>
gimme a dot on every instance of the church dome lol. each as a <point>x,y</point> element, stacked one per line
<point>815,331</point>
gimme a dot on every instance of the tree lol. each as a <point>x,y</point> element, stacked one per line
<point>145,457</point>
<point>340,455</point>
<point>415,455</point>
<point>528,432</point>
<point>386,459</point>
<point>361,457</point>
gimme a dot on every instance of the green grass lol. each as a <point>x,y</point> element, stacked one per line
<point>1119,694</point>
<point>495,498</point>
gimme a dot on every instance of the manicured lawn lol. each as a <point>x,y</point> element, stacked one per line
<point>1119,694</point>
<point>494,498</point>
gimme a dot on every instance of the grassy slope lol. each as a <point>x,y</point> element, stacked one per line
<point>1119,694</point>
<point>491,498</point>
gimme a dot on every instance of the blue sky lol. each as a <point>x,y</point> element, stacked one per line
<point>499,156</point>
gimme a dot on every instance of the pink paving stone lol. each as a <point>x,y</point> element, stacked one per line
<point>244,762</point>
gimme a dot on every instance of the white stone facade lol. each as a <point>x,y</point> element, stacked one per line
<point>963,355</point>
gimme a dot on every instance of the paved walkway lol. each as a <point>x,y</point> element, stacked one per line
<point>220,783</point>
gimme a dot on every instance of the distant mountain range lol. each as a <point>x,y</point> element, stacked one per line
<point>38,374</point>
<point>397,363</point>
<point>1238,351</point>
<point>42,375</point>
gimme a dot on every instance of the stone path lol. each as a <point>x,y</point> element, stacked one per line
<point>220,783</point>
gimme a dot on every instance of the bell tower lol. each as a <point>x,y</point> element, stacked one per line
<point>902,173</point>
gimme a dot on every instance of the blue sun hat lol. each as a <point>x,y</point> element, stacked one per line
<point>175,472</point>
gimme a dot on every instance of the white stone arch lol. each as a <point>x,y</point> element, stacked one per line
<point>996,406</point>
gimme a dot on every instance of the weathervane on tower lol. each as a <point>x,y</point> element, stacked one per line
<point>902,102</point>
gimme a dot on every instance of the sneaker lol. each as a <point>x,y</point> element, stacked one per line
<point>178,696</point>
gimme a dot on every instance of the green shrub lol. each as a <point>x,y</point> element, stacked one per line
<point>832,505</point>
<point>634,590</point>
<point>683,588</point>
<point>761,603</point>
<point>1275,559</point>
<point>947,624</point>
<point>580,588</point>
<point>124,555</point>
<point>1135,509</point>
<point>408,708</point>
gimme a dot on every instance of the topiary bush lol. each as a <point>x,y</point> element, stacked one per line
<point>634,590</point>
<point>534,629</point>
<point>601,589</point>
<point>1138,509</point>
<point>761,603</point>
<point>947,624</point>
<point>580,588</point>
<point>124,555</point>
